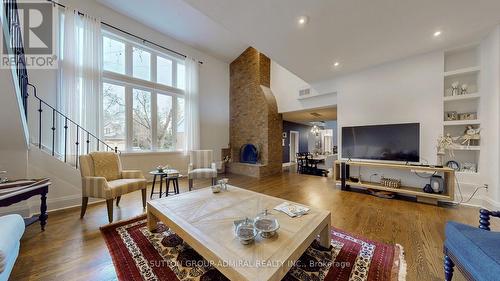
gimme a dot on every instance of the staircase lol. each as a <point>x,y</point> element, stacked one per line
<point>54,133</point>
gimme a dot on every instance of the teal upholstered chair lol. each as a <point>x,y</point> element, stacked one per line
<point>474,251</point>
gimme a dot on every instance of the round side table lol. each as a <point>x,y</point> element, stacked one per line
<point>169,175</point>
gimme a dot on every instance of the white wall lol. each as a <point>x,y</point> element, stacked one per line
<point>285,87</point>
<point>490,104</point>
<point>404,91</point>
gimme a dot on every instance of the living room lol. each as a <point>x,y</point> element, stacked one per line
<point>250,140</point>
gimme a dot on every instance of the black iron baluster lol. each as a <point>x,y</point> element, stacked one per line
<point>53,130</point>
<point>65,137</point>
<point>88,142</point>
<point>77,143</point>
<point>40,125</point>
<point>98,141</point>
<point>116,149</point>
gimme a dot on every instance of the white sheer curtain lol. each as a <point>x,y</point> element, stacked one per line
<point>192,106</point>
<point>80,75</point>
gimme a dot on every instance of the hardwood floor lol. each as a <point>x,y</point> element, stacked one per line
<point>73,249</point>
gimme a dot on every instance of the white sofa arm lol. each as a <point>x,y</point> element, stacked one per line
<point>12,227</point>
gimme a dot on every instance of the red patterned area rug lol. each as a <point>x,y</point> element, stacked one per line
<point>139,254</point>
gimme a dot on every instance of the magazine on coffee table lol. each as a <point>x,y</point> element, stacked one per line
<point>293,210</point>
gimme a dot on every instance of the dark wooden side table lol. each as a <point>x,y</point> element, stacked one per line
<point>170,176</point>
<point>23,193</point>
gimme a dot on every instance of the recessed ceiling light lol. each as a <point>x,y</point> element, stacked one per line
<point>302,20</point>
<point>437,33</point>
<point>336,63</point>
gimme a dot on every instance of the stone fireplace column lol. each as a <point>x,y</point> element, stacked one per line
<point>254,117</point>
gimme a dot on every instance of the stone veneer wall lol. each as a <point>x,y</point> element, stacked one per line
<point>254,114</point>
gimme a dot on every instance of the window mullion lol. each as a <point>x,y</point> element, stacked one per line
<point>174,73</point>
<point>128,59</point>
<point>174,121</point>
<point>153,68</point>
<point>129,119</point>
<point>154,121</point>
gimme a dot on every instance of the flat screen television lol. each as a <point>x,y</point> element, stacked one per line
<point>394,142</point>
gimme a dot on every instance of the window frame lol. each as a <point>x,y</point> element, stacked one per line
<point>130,83</point>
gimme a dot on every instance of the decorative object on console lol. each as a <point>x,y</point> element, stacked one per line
<point>353,179</point>
<point>437,184</point>
<point>450,116</point>
<point>453,164</point>
<point>390,182</point>
<point>468,167</point>
<point>463,89</point>
<point>454,88</point>
<point>471,135</point>
<point>428,188</point>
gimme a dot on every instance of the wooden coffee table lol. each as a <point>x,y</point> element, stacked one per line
<point>205,221</point>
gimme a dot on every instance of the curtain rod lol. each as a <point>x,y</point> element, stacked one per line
<point>128,33</point>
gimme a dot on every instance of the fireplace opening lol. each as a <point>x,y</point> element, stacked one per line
<point>249,154</point>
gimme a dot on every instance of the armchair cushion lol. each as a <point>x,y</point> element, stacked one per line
<point>124,186</point>
<point>107,165</point>
<point>132,174</point>
<point>476,250</point>
<point>204,173</point>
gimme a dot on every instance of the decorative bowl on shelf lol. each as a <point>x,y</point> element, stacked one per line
<point>266,224</point>
<point>246,232</point>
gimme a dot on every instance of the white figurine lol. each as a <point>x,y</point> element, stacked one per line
<point>471,134</point>
<point>454,88</point>
<point>446,143</point>
<point>464,89</point>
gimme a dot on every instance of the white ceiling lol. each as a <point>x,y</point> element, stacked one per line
<point>179,20</point>
<point>357,33</point>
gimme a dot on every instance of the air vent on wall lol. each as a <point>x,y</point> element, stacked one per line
<point>304,92</point>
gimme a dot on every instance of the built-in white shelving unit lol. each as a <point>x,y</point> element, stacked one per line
<point>462,122</point>
<point>462,66</point>
<point>461,71</point>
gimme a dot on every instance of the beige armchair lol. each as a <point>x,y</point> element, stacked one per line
<point>201,166</point>
<point>103,177</point>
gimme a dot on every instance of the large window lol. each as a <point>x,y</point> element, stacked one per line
<point>143,97</point>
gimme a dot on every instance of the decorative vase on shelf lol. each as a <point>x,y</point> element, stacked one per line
<point>454,88</point>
